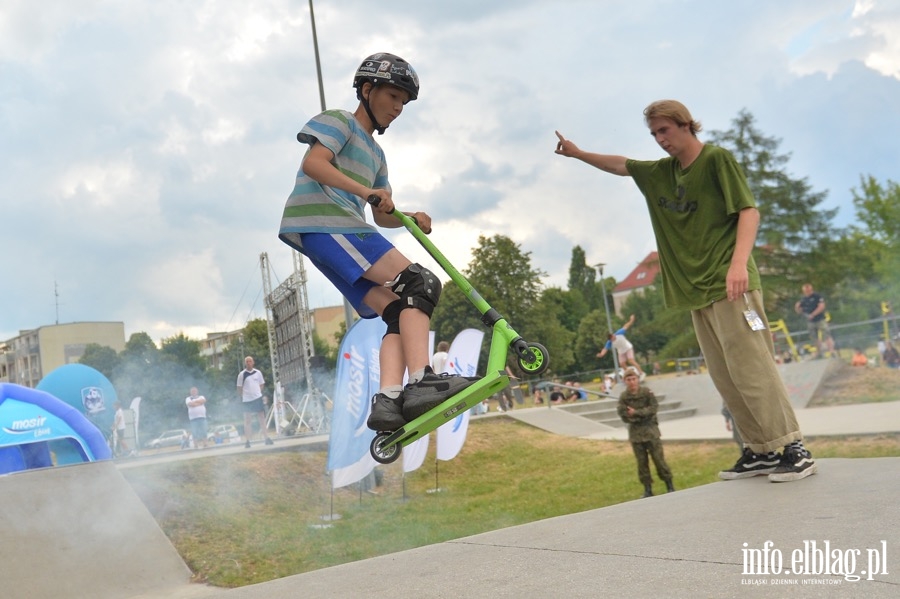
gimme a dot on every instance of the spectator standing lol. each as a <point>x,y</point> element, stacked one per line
<point>812,306</point>
<point>890,356</point>
<point>637,408</point>
<point>250,384</point>
<point>730,427</point>
<point>196,407</point>
<point>608,383</point>
<point>507,396</point>
<point>705,220</point>
<point>440,357</point>
<point>120,447</point>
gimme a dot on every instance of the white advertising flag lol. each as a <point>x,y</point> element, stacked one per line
<point>463,360</point>
<point>414,454</point>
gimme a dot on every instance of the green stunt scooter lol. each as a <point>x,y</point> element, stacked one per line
<point>532,359</point>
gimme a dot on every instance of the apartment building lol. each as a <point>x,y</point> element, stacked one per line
<point>26,358</point>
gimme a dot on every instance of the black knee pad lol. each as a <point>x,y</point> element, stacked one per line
<point>391,316</point>
<point>417,287</point>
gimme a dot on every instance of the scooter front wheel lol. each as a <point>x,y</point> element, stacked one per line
<point>382,455</point>
<point>540,362</point>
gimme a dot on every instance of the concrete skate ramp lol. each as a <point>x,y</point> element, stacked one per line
<point>80,531</point>
<point>801,379</point>
<point>689,544</point>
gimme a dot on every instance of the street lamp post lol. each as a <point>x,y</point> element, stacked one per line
<point>348,309</point>
<point>615,355</point>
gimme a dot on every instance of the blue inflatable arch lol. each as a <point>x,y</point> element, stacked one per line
<point>34,425</point>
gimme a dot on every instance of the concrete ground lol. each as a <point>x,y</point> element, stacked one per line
<point>689,544</point>
<point>64,538</point>
<point>81,531</point>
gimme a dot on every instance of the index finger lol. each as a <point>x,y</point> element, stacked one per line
<point>559,135</point>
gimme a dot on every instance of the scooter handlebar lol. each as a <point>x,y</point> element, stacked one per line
<point>375,201</point>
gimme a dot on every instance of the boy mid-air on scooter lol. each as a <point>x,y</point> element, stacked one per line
<point>324,218</point>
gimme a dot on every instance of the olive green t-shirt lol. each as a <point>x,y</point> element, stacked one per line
<point>694,212</point>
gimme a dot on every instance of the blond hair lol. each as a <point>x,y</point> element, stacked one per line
<point>674,110</point>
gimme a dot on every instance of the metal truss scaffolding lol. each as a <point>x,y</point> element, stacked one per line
<point>299,406</point>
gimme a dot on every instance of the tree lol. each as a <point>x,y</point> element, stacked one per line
<point>660,333</point>
<point>184,352</point>
<point>501,269</point>
<point>547,328</point>
<point>101,358</point>
<point>454,313</point>
<point>581,296</point>
<point>590,339</point>
<point>583,280</point>
<point>140,346</point>
<point>503,274</point>
<point>878,210</point>
<point>569,307</point>
<point>325,350</point>
<point>138,375</point>
<point>792,220</point>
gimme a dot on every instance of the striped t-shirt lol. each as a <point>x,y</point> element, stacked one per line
<point>315,208</point>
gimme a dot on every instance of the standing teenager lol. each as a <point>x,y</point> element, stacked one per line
<point>705,221</point>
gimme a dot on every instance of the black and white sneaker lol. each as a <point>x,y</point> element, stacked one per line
<point>751,464</point>
<point>431,392</point>
<point>796,463</point>
<point>386,414</point>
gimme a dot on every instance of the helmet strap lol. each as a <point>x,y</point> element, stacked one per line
<point>365,103</point>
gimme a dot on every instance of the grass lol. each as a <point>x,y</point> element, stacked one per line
<point>850,384</point>
<point>244,519</point>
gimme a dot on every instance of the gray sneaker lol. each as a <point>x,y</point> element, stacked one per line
<point>751,464</point>
<point>795,464</point>
<point>386,414</point>
<point>431,392</point>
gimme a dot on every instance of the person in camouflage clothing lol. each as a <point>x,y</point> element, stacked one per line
<point>637,408</point>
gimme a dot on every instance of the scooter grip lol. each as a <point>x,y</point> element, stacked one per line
<point>375,200</point>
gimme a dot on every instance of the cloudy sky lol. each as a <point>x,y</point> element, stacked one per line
<point>148,146</point>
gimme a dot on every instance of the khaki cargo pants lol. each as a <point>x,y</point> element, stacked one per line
<point>741,363</point>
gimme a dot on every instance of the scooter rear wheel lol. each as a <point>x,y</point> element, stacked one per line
<point>541,359</point>
<point>381,455</point>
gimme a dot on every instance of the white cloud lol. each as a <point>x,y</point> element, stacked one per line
<point>151,144</point>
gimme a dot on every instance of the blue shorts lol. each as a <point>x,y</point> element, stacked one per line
<point>254,406</point>
<point>344,259</point>
<point>198,429</point>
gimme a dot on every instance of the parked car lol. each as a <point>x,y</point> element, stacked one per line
<point>223,433</point>
<point>170,438</point>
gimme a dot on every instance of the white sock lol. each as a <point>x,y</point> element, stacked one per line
<point>416,376</point>
<point>392,391</point>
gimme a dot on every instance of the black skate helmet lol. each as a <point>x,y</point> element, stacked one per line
<point>383,68</point>
<point>387,68</point>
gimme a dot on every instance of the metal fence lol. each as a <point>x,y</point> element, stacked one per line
<point>864,335</point>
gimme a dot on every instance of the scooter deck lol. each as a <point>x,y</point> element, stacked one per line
<point>448,410</point>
